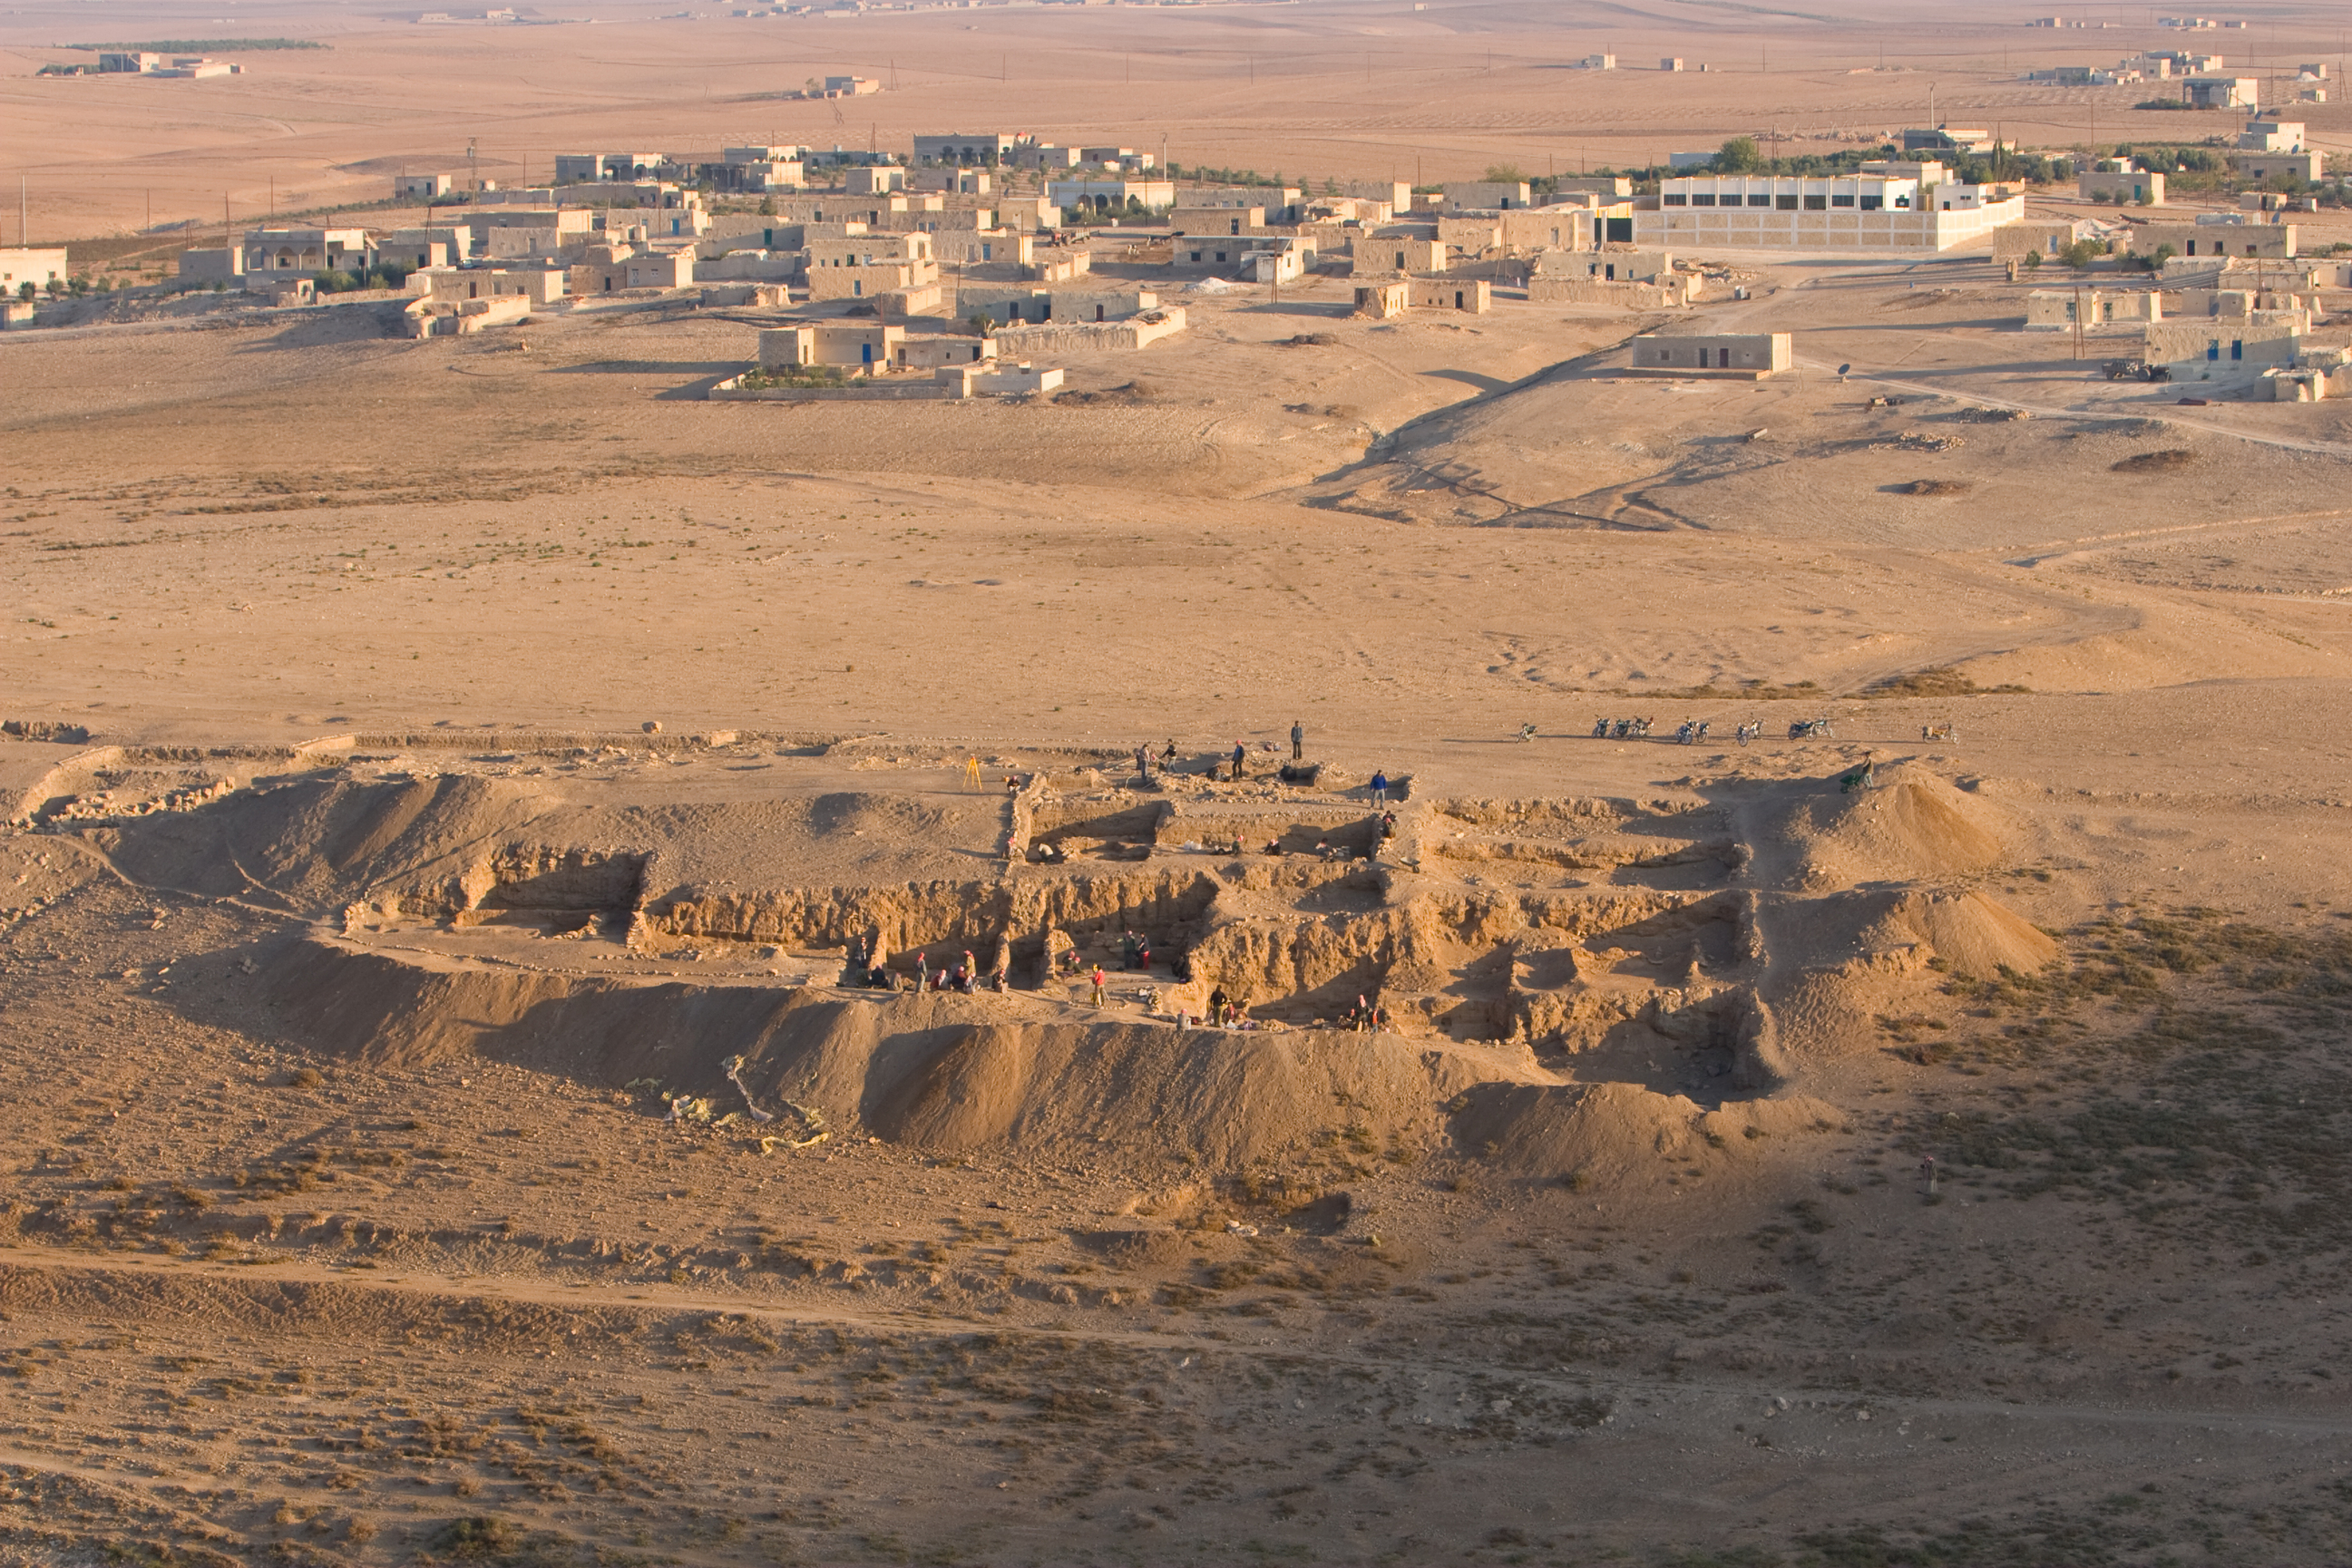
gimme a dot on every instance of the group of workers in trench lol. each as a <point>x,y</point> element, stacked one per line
<point>1234,765</point>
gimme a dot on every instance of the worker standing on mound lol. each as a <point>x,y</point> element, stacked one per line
<point>1241,755</point>
<point>1298,741</point>
<point>1098,985</point>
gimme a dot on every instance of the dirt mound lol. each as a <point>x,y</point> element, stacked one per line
<point>439,845</point>
<point>2164,462</point>
<point>1932,487</point>
<point>1975,934</point>
<point>1912,826</point>
<point>950,1074</point>
<point>1936,681</point>
<point>1228,1099</point>
<point>319,843</point>
<point>1619,1136</point>
<point>1128,394</point>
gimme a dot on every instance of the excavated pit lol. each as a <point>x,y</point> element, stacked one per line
<point>636,926</point>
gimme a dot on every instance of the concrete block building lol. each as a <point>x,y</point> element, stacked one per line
<point>1201,223</point>
<point>39,267</point>
<point>2273,148</point>
<point>986,149</point>
<point>2140,186</point>
<point>449,285</point>
<point>201,264</point>
<point>1606,266</point>
<point>1899,207</point>
<point>2221,92</point>
<point>2202,240</point>
<point>438,245</point>
<point>1748,355</point>
<point>592,168</point>
<point>867,265</point>
<point>1561,227</point>
<point>1498,194</point>
<point>1015,304</point>
<point>863,345</point>
<point>1474,295</point>
<point>2221,349</point>
<point>1380,257</point>
<point>2060,309</point>
<point>1396,195</point>
<point>304,252</point>
<point>1072,194</point>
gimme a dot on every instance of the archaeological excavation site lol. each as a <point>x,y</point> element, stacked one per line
<point>1366,783</point>
<point>852,941</point>
<point>488,1144</point>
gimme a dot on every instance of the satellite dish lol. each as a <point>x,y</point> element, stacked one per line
<point>1842,369</point>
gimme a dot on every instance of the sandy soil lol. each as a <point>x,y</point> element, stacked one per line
<point>453,1120</point>
<point>1369,89</point>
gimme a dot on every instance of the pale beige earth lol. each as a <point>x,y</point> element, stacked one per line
<point>357,937</point>
<point>1381,89</point>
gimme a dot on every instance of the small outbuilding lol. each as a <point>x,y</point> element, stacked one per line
<point>1751,355</point>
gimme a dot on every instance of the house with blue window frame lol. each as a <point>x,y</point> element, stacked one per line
<point>2222,348</point>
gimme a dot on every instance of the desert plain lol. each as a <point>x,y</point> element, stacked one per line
<point>458,788</point>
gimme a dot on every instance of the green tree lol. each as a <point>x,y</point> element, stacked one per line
<point>1505,174</point>
<point>2032,260</point>
<point>1739,156</point>
<point>2082,253</point>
